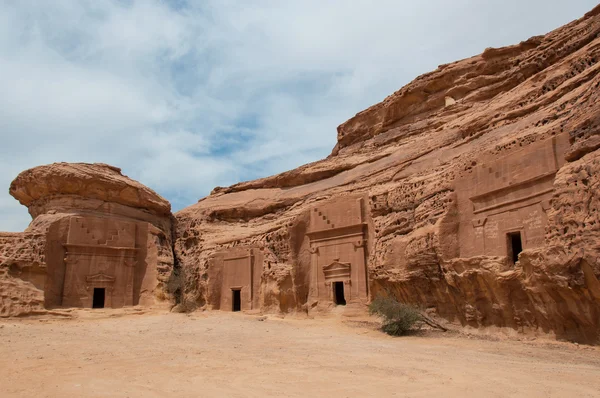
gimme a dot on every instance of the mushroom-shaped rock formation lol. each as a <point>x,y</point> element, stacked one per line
<point>97,239</point>
<point>62,184</point>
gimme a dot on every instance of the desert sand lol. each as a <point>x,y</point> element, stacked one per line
<point>133,353</point>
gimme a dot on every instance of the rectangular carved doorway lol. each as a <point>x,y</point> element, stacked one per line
<point>515,246</point>
<point>99,295</point>
<point>236,300</point>
<point>338,293</point>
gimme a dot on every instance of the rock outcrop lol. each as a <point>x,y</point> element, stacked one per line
<point>59,185</point>
<point>97,238</point>
<point>472,191</point>
<point>22,278</point>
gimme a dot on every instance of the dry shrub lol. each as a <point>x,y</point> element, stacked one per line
<point>398,318</point>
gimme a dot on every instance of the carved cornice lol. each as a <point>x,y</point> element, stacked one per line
<point>511,202</point>
<point>95,250</point>
<point>336,233</point>
<point>238,257</point>
<point>545,176</point>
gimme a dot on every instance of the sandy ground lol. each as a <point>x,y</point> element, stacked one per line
<point>121,354</point>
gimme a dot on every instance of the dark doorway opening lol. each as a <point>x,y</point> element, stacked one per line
<point>237,300</point>
<point>338,293</point>
<point>99,295</point>
<point>515,246</point>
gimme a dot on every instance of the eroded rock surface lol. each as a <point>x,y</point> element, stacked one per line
<point>97,238</point>
<point>55,186</point>
<point>472,191</point>
<point>22,272</point>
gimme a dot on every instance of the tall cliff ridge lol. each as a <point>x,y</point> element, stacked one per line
<point>472,191</point>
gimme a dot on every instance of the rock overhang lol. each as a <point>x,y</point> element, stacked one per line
<point>86,180</point>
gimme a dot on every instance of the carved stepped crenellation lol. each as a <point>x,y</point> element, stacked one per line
<point>86,231</point>
<point>325,219</point>
<point>111,238</point>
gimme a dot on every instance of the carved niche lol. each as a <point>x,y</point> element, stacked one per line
<point>236,269</point>
<point>508,195</point>
<point>100,252</point>
<point>337,245</point>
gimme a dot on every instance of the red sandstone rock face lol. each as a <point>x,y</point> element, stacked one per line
<point>437,187</point>
<point>97,238</point>
<point>21,275</point>
<point>35,187</point>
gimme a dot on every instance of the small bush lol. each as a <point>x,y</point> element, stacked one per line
<point>398,318</point>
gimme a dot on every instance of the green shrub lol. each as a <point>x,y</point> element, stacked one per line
<point>398,318</point>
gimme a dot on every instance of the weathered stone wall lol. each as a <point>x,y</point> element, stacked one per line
<point>443,184</point>
<point>22,273</point>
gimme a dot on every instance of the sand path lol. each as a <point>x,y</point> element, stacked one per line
<point>110,354</point>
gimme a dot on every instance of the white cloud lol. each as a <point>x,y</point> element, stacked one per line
<point>187,95</point>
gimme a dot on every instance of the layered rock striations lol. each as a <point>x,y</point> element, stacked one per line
<point>97,239</point>
<point>472,191</point>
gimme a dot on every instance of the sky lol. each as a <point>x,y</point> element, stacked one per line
<point>187,95</point>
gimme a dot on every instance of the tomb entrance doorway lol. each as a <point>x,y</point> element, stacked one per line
<point>515,245</point>
<point>338,293</point>
<point>99,297</point>
<point>236,300</point>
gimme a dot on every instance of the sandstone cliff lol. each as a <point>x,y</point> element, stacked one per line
<point>472,191</point>
<point>93,229</point>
